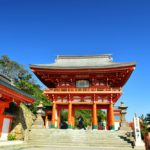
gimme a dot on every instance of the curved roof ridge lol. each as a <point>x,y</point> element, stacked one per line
<point>84,56</point>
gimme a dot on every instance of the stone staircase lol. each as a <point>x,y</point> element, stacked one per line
<point>77,138</point>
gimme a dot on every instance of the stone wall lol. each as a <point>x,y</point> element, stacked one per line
<point>23,121</point>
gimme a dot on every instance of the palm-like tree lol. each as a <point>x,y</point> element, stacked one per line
<point>145,124</point>
<point>147,119</point>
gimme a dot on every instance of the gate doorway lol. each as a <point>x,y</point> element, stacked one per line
<point>83,119</point>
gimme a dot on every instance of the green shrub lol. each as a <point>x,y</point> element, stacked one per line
<point>11,137</point>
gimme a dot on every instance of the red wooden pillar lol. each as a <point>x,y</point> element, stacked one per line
<point>58,118</point>
<point>108,118</point>
<point>53,115</point>
<point>73,117</point>
<point>1,123</point>
<point>111,116</point>
<point>2,108</point>
<point>94,116</point>
<point>70,115</point>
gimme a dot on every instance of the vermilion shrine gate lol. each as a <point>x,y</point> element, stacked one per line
<point>83,82</point>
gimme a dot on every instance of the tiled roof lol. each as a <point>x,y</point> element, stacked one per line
<point>77,62</point>
<point>16,89</point>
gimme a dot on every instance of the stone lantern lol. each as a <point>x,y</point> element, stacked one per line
<point>40,109</point>
<point>124,125</point>
<point>39,123</point>
<point>123,109</point>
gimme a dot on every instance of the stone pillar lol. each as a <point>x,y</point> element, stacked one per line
<point>70,115</point>
<point>111,116</point>
<point>94,116</point>
<point>53,115</point>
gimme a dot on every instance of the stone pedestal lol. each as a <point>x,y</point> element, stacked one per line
<point>124,125</point>
<point>39,123</point>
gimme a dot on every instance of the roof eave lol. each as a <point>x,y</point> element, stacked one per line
<point>18,91</point>
<point>84,67</point>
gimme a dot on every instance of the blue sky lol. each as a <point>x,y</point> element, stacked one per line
<point>35,31</point>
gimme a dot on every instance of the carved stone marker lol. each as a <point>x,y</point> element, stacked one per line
<point>137,132</point>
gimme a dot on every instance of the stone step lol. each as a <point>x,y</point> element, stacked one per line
<point>72,133</point>
<point>78,147</point>
<point>73,136</point>
<point>75,139</point>
<point>80,144</point>
<point>74,143</point>
<point>81,134</point>
<point>67,136</point>
<point>70,137</point>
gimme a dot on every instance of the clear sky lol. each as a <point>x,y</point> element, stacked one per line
<point>35,31</point>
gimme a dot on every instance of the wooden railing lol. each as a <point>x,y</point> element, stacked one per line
<point>49,90</point>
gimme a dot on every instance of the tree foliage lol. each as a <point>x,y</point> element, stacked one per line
<point>87,116</point>
<point>23,80</point>
<point>145,124</point>
<point>147,119</point>
<point>12,69</point>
